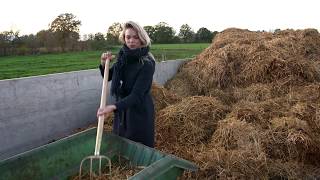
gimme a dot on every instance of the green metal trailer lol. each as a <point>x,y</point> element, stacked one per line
<point>61,159</point>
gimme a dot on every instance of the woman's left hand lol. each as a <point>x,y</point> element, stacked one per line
<point>106,110</point>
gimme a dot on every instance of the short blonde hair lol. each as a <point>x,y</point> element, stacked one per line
<point>142,34</point>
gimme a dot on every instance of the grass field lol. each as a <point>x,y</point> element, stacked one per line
<point>32,65</point>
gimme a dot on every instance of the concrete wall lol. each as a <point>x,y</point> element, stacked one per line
<point>166,70</point>
<point>38,110</point>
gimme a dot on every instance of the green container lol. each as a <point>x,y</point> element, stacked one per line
<point>61,159</point>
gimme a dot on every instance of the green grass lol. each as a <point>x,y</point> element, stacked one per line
<point>33,65</point>
<point>180,46</point>
<point>177,51</point>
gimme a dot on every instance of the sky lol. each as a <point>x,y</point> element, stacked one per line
<point>31,16</point>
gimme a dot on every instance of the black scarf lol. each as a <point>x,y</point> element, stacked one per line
<point>125,55</point>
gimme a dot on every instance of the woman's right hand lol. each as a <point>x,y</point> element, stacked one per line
<point>106,110</point>
<point>106,56</point>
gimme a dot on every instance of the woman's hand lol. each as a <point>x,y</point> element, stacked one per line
<point>106,110</point>
<point>106,56</point>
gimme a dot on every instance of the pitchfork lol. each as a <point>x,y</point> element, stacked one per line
<point>97,155</point>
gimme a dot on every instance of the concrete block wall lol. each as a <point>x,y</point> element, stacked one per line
<point>37,110</point>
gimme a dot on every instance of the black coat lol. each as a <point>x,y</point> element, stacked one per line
<point>134,116</point>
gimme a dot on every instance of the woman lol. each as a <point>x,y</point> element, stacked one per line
<point>131,77</point>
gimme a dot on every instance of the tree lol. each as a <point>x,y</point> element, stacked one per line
<point>150,31</point>
<point>98,37</point>
<point>66,28</point>
<point>163,33</point>
<point>9,40</point>
<point>113,33</point>
<point>72,41</point>
<point>47,41</point>
<point>26,44</point>
<point>214,33</point>
<point>186,34</point>
<point>204,35</point>
<point>98,42</point>
<point>31,42</point>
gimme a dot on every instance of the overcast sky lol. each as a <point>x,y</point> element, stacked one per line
<point>31,16</point>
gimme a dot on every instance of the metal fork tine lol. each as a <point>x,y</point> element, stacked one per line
<point>91,158</point>
<point>90,168</point>
<point>100,166</point>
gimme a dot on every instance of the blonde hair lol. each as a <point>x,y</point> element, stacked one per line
<point>142,34</point>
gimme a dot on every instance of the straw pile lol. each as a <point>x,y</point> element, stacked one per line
<point>188,123</point>
<point>162,97</point>
<point>251,107</point>
<point>241,58</point>
<point>181,85</point>
<point>235,150</point>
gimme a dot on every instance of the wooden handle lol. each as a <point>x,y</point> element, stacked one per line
<point>103,103</point>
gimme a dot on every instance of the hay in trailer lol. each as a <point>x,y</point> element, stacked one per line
<point>310,113</point>
<point>308,42</point>
<point>261,92</point>
<point>235,152</point>
<point>188,123</point>
<point>218,163</point>
<point>237,36</point>
<point>251,112</point>
<point>162,97</point>
<point>254,93</point>
<point>108,121</point>
<point>239,58</point>
<point>270,81</point>
<point>309,92</point>
<point>235,134</point>
<point>260,113</point>
<point>181,85</point>
<point>226,96</point>
<point>287,139</point>
<point>277,169</point>
<point>240,150</point>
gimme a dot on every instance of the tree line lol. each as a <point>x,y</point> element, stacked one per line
<point>63,36</point>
